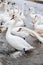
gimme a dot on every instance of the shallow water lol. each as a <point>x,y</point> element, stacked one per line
<point>34,57</point>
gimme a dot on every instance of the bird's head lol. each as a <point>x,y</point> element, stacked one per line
<point>19,30</point>
<point>31,9</point>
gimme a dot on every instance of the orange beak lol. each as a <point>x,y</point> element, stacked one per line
<point>19,29</point>
<point>0,30</point>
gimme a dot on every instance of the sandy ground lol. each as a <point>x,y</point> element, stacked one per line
<point>32,58</point>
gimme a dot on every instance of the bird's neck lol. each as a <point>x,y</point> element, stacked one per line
<point>37,36</point>
<point>4,5</point>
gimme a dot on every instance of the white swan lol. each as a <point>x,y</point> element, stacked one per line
<point>38,22</point>
<point>19,17</point>
<point>4,15</point>
<point>16,24</point>
<point>25,32</point>
<point>17,42</point>
<point>18,20</point>
<point>31,32</point>
<point>6,25</point>
<point>3,6</point>
<point>32,12</point>
<point>20,31</point>
<point>21,14</point>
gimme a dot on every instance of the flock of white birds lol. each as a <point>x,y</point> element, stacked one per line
<point>12,19</point>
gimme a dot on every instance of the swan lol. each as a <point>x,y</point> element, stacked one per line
<point>6,25</point>
<point>6,18</point>
<point>19,21</point>
<point>30,32</point>
<point>17,42</point>
<point>32,12</point>
<point>19,17</point>
<point>38,23</point>
<point>20,31</point>
<point>11,13</point>
<point>3,6</point>
<point>25,32</point>
<point>4,15</point>
<point>21,14</point>
<point>16,11</point>
<point>16,24</point>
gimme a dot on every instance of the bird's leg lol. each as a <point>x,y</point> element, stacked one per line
<point>24,52</point>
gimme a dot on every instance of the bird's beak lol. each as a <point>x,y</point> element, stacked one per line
<point>19,30</point>
<point>0,30</point>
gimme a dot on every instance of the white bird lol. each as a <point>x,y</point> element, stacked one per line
<point>38,22</point>
<point>20,31</point>
<point>21,14</point>
<point>17,19</point>
<point>32,12</point>
<point>34,33</point>
<point>4,15</point>
<point>17,42</point>
<point>3,6</point>
<point>7,24</point>
<point>29,31</point>
<point>17,23</point>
